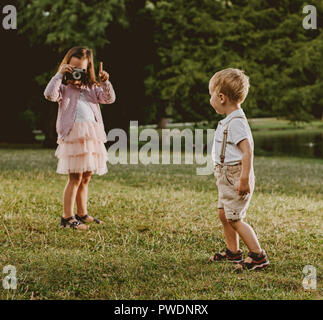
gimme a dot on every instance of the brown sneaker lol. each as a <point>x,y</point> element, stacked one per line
<point>228,255</point>
<point>254,261</point>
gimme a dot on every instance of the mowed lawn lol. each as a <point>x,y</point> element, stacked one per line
<point>161,227</point>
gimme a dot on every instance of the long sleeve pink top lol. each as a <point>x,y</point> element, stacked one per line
<point>67,97</point>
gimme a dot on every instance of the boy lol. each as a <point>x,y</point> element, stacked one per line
<point>232,154</point>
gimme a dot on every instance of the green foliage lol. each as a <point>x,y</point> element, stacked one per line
<point>265,38</point>
<point>189,40</point>
<point>66,23</point>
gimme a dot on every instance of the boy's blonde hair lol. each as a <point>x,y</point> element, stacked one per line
<point>231,82</point>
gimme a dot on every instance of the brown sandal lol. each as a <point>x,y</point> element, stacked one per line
<point>65,223</point>
<point>83,219</point>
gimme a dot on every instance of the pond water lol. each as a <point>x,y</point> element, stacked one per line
<point>296,143</point>
<point>300,144</point>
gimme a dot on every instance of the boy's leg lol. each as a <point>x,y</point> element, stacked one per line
<point>230,234</point>
<point>232,251</point>
<point>235,207</point>
<point>257,258</point>
<point>247,235</point>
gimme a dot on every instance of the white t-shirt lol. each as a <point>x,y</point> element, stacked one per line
<point>238,130</point>
<point>84,111</point>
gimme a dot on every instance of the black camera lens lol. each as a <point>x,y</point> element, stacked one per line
<point>77,75</point>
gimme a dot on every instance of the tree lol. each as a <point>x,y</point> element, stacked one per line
<point>263,37</point>
<point>160,55</point>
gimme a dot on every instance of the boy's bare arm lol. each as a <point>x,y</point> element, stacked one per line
<point>247,158</point>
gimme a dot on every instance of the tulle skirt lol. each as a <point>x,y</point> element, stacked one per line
<point>83,149</point>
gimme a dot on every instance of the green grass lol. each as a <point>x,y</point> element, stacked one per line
<point>257,124</point>
<point>160,228</point>
<point>281,124</point>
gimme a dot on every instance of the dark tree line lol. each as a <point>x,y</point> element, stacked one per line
<point>160,55</point>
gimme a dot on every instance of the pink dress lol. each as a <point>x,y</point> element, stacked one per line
<point>82,149</point>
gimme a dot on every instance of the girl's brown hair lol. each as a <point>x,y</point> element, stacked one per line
<point>82,53</point>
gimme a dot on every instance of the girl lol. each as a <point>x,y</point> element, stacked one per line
<point>81,136</point>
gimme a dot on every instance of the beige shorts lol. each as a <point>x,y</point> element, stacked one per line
<point>227,180</point>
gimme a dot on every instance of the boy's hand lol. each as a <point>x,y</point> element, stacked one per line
<point>243,187</point>
<point>247,155</point>
<point>103,75</point>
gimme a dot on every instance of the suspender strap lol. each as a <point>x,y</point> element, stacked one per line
<point>224,141</point>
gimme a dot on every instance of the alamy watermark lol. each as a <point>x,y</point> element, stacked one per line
<point>158,149</point>
<point>310,20</point>
<point>10,280</point>
<point>309,281</point>
<point>9,21</point>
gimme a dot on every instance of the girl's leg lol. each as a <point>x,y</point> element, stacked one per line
<point>73,182</point>
<point>69,195</point>
<point>82,194</point>
<point>247,234</point>
<point>230,234</point>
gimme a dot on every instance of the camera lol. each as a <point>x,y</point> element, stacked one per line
<point>77,74</point>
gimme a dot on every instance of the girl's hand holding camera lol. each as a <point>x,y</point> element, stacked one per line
<point>103,75</point>
<point>66,68</point>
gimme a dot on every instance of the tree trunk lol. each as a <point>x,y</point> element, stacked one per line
<point>162,123</point>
